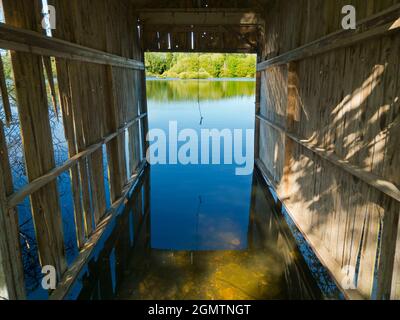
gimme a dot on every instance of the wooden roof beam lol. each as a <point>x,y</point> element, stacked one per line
<point>171,28</point>
<point>199,17</point>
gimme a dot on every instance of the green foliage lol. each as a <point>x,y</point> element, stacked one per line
<point>191,90</point>
<point>200,65</point>
<point>158,63</point>
<point>6,65</point>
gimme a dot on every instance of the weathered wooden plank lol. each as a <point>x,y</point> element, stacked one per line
<point>143,110</point>
<point>369,246</point>
<point>200,17</point>
<point>18,39</point>
<point>4,94</point>
<point>76,71</point>
<point>93,130</point>
<point>7,284</point>
<point>257,109</point>
<point>68,121</point>
<point>10,251</point>
<point>96,169</point>
<point>391,49</point>
<point>116,148</point>
<point>38,145</point>
<point>323,254</point>
<point>85,254</point>
<point>292,123</point>
<point>380,24</point>
<point>43,180</point>
<point>395,286</point>
<point>343,192</point>
<point>378,183</point>
<point>388,270</point>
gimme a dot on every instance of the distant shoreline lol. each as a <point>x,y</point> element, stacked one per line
<point>152,78</point>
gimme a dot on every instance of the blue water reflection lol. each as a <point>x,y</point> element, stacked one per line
<point>200,207</point>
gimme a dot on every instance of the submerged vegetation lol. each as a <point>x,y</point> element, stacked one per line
<point>200,65</point>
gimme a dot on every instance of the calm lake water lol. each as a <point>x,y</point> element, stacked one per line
<point>198,231</point>
<point>200,207</point>
<point>190,231</point>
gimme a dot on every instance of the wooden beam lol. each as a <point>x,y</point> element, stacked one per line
<point>18,39</point>
<point>385,22</point>
<point>143,109</point>
<point>7,285</point>
<point>116,148</point>
<point>37,139</point>
<point>11,268</point>
<point>69,129</point>
<point>224,5</point>
<point>369,178</point>
<point>199,17</point>
<point>43,180</point>
<point>172,28</point>
<point>387,258</point>
<point>73,272</point>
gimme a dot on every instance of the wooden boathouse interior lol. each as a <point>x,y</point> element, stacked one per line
<point>327,120</point>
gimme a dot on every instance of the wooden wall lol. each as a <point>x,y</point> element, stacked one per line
<point>329,136</point>
<point>101,93</point>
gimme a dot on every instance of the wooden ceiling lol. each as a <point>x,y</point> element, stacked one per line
<point>157,4</point>
<point>200,25</point>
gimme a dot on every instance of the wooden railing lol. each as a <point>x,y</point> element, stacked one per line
<point>12,38</point>
<point>42,186</point>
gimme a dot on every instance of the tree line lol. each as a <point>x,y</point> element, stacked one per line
<point>200,65</point>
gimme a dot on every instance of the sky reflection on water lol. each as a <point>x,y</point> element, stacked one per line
<point>200,207</point>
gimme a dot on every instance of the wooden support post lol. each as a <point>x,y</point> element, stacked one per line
<point>11,270</point>
<point>68,120</point>
<point>143,110</point>
<point>369,245</point>
<point>38,146</point>
<point>257,124</point>
<point>115,148</point>
<point>387,273</point>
